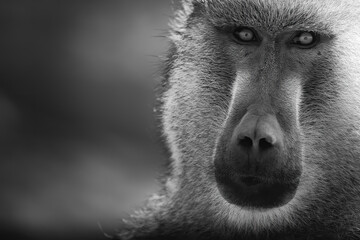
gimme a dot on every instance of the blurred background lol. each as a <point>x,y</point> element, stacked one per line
<point>76,93</point>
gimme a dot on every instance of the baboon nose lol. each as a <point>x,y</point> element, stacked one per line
<point>256,134</point>
<point>253,167</point>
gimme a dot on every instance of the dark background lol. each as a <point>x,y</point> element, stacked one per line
<point>76,93</point>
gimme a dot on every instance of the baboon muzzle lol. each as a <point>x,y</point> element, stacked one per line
<point>254,165</point>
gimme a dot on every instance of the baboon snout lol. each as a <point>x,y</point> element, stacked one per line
<point>257,138</point>
<point>254,166</point>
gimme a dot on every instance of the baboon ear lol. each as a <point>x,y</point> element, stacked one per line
<point>191,6</point>
<point>194,3</point>
<point>188,3</point>
<point>187,9</point>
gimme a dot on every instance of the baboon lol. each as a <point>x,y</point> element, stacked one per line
<point>260,111</point>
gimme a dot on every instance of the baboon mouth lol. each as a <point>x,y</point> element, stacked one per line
<point>256,192</point>
<point>251,181</point>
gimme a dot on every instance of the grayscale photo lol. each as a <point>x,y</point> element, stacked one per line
<point>180,120</point>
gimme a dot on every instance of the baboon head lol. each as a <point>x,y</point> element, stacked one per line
<point>261,111</point>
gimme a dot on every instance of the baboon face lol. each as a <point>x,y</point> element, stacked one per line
<point>261,108</point>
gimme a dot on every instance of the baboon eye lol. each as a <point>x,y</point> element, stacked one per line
<point>245,35</point>
<point>305,39</point>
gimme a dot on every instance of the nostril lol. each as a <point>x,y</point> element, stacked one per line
<point>264,144</point>
<point>245,142</point>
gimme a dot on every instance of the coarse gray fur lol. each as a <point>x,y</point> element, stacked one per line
<point>208,79</point>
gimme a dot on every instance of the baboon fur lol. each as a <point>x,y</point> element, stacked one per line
<point>203,83</point>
